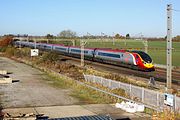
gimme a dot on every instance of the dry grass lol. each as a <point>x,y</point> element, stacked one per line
<point>165,115</point>
<point>84,94</point>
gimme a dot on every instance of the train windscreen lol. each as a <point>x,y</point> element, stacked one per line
<point>144,56</point>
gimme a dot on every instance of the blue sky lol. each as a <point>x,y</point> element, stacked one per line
<point>40,17</point>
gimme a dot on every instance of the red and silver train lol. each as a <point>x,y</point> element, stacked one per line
<point>133,59</point>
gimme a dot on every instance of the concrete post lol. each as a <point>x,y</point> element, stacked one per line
<point>142,94</point>
<point>169,47</point>
<point>130,90</point>
<point>157,104</point>
<point>110,83</point>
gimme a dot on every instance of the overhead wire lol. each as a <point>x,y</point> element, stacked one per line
<point>176,10</point>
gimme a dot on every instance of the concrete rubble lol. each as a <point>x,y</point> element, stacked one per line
<point>4,78</point>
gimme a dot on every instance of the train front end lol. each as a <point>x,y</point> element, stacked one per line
<point>143,61</point>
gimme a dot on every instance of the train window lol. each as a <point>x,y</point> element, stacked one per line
<point>48,47</point>
<point>64,49</point>
<point>109,55</point>
<point>75,50</point>
<point>78,51</point>
<point>144,56</point>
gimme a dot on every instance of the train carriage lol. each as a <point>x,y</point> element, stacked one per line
<point>48,46</point>
<point>132,59</point>
<point>115,56</point>
<point>29,44</point>
<point>61,49</point>
<point>40,45</point>
<point>76,52</point>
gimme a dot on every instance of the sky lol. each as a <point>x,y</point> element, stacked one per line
<point>42,17</point>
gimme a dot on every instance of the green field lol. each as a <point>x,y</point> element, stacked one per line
<point>156,49</point>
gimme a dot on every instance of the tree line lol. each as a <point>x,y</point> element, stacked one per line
<point>69,34</point>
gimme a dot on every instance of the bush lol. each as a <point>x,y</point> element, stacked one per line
<point>120,92</point>
<point>50,56</point>
<point>2,49</point>
<point>5,41</point>
<point>10,51</point>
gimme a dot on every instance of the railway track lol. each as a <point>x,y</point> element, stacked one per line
<point>175,75</point>
<point>159,74</point>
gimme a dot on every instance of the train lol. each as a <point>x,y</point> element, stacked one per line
<point>134,59</point>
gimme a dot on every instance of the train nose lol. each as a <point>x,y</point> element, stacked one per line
<point>149,65</point>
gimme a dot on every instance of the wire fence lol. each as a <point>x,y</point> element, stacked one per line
<point>143,95</point>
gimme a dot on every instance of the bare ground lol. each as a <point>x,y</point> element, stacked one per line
<point>31,90</point>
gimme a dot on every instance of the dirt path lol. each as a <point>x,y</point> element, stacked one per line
<point>31,90</point>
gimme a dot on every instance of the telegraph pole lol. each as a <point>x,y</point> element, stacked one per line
<point>113,39</point>
<point>146,45</point>
<point>169,47</point>
<point>73,41</point>
<point>102,34</point>
<point>82,44</point>
<point>82,53</point>
<point>35,44</point>
<point>20,43</point>
<point>145,42</point>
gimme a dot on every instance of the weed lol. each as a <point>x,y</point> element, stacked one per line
<point>165,115</point>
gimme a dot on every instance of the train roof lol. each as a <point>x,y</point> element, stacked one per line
<point>80,47</point>
<point>59,45</point>
<point>113,50</point>
<point>52,44</point>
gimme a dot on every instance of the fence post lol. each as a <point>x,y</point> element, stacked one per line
<point>119,85</point>
<point>93,79</point>
<point>142,94</point>
<point>85,77</point>
<point>102,80</point>
<point>110,83</point>
<point>174,102</point>
<point>130,90</point>
<point>157,103</point>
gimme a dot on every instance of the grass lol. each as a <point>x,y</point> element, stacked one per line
<point>56,81</point>
<point>84,94</point>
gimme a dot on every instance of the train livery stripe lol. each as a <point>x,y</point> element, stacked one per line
<point>134,61</point>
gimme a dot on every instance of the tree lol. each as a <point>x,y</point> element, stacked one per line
<point>6,40</point>
<point>49,36</point>
<point>117,36</point>
<point>177,38</point>
<point>67,34</point>
<point>127,36</point>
